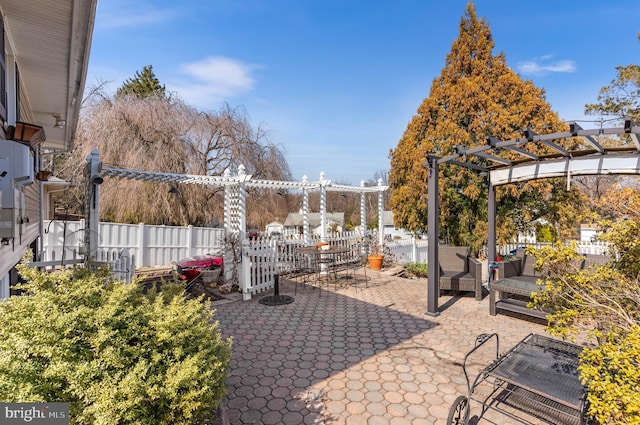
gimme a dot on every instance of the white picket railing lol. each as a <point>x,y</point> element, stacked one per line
<point>121,263</point>
<point>408,250</point>
<point>583,247</point>
<point>416,251</point>
<point>259,267</point>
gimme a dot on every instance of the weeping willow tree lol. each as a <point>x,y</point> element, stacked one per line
<point>155,132</point>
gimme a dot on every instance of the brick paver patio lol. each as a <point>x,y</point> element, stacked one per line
<point>369,357</point>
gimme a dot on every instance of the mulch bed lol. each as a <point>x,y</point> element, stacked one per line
<point>197,288</point>
<point>155,277</point>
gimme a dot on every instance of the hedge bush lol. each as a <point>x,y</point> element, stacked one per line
<point>417,269</point>
<point>602,304</point>
<point>117,355</point>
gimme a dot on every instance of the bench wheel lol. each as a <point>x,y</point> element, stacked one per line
<point>457,411</point>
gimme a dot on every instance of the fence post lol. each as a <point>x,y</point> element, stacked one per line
<point>244,274</point>
<point>141,242</point>
<point>414,249</point>
<point>190,247</point>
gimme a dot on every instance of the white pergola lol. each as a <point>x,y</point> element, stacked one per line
<point>235,194</point>
<point>620,155</point>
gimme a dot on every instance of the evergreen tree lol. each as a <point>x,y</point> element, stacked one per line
<point>476,95</point>
<point>144,84</point>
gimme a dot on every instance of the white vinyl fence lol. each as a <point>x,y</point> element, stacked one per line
<point>149,245</point>
<point>160,245</point>
<point>124,247</point>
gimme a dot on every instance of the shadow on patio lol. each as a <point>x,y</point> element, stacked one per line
<point>371,357</point>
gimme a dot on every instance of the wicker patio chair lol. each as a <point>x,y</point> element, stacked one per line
<point>459,271</point>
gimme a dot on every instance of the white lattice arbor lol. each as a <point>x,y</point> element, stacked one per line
<point>235,194</point>
<point>620,155</point>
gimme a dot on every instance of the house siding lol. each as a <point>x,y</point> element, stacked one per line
<point>12,254</point>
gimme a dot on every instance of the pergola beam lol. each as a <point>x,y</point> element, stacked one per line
<point>493,158</point>
<point>523,152</point>
<point>574,128</point>
<point>533,137</point>
<point>154,176</point>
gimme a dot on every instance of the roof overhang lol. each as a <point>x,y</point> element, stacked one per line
<point>50,43</point>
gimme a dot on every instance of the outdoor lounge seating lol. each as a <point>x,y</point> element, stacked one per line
<point>459,271</point>
<point>517,279</point>
<point>522,268</point>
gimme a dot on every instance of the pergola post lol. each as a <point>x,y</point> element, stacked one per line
<point>230,231</point>
<point>305,214</point>
<point>380,213</point>
<point>227,204</point>
<point>491,235</point>
<point>433,281</point>
<point>242,201</point>
<point>323,206</point>
<point>363,214</point>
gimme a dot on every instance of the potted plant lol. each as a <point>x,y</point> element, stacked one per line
<point>375,253</point>
<point>320,244</point>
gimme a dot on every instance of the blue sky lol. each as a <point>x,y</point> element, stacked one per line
<point>336,82</point>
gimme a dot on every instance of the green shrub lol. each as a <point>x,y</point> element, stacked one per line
<point>417,269</point>
<point>612,374</point>
<point>118,356</point>
<point>601,302</point>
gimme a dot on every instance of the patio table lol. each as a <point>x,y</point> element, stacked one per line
<point>322,261</point>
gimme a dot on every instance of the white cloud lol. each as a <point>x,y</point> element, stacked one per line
<point>126,14</point>
<point>545,65</point>
<point>213,80</point>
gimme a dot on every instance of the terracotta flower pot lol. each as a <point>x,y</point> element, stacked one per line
<point>375,261</point>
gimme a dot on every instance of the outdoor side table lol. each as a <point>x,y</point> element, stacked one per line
<point>505,288</point>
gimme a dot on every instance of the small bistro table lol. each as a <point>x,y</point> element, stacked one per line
<point>322,260</point>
